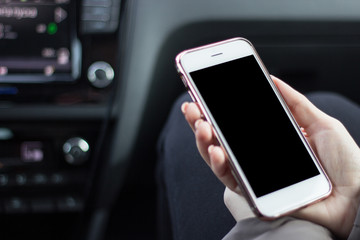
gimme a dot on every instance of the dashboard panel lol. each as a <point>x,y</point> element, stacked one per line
<point>86,86</point>
<point>58,69</point>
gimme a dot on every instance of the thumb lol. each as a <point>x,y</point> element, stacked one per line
<point>304,112</point>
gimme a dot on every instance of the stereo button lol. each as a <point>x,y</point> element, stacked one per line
<point>16,205</point>
<point>20,179</point>
<point>39,179</point>
<point>70,204</point>
<point>76,151</point>
<point>100,74</point>
<point>4,180</point>
<point>57,179</point>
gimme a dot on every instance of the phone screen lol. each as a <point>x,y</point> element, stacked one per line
<point>255,125</point>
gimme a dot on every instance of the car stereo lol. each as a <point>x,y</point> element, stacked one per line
<point>38,41</point>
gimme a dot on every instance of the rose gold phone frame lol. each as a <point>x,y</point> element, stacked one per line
<point>195,97</point>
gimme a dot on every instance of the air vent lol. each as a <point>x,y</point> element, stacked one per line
<point>100,16</point>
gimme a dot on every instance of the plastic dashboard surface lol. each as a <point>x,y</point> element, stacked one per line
<point>157,30</point>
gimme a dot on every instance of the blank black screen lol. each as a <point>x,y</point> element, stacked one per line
<point>255,125</point>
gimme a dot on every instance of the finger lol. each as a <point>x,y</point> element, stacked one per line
<point>220,166</point>
<point>304,132</point>
<point>302,109</point>
<point>192,113</point>
<point>184,106</point>
<point>204,138</point>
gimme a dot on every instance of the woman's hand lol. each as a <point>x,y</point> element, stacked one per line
<point>335,148</point>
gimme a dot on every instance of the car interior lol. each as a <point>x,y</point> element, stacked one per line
<point>86,87</point>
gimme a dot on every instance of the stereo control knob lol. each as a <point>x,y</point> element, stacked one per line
<point>100,74</point>
<point>76,151</point>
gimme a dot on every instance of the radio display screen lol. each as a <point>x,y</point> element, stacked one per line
<point>38,41</point>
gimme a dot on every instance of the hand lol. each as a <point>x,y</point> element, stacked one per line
<point>336,150</point>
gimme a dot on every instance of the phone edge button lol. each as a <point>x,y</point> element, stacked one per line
<point>192,96</point>
<point>184,80</point>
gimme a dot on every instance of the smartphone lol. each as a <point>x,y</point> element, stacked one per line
<point>270,157</point>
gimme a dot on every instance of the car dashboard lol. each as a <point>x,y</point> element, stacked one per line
<point>58,65</point>
<point>86,86</point>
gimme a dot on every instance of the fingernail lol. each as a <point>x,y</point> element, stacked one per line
<point>210,149</point>
<point>184,106</point>
<point>197,123</point>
